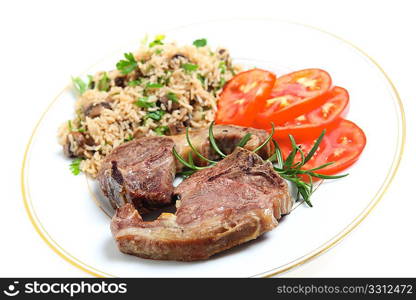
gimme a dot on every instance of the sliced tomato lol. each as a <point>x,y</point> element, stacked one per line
<point>293,95</point>
<point>312,123</point>
<point>244,96</point>
<point>343,146</point>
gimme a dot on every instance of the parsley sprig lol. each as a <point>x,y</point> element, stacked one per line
<point>200,43</point>
<point>79,85</point>
<point>144,102</point>
<point>154,85</point>
<point>222,66</point>
<point>189,67</point>
<point>288,169</point>
<point>161,130</point>
<point>157,41</point>
<point>172,96</point>
<point>104,83</point>
<point>134,82</point>
<point>75,166</point>
<point>155,115</point>
<point>127,65</point>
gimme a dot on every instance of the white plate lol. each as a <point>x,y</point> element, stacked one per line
<point>65,215</point>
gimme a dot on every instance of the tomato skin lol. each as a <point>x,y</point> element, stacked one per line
<point>244,96</point>
<point>327,116</point>
<point>343,145</point>
<point>294,94</point>
<point>350,140</point>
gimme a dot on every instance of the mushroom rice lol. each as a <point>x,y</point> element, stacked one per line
<point>160,90</point>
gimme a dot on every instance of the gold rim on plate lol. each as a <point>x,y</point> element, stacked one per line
<point>281,269</point>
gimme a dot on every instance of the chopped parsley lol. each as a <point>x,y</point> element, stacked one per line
<point>154,85</point>
<point>104,83</point>
<point>129,138</point>
<point>144,102</point>
<point>201,78</point>
<point>158,51</point>
<point>79,85</point>
<point>71,128</point>
<point>128,65</point>
<point>161,130</point>
<point>222,67</point>
<point>155,115</point>
<point>91,83</point>
<point>157,41</point>
<point>134,82</point>
<point>222,82</point>
<point>172,96</point>
<point>189,67</point>
<point>75,166</point>
<point>200,43</point>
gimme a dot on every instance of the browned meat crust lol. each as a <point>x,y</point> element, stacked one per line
<point>227,138</point>
<point>236,201</point>
<point>141,172</point>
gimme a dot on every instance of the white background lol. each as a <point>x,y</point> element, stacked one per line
<point>44,42</point>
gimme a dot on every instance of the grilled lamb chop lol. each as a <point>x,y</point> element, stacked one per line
<point>220,207</point>
<point>227,138</point>
<point>141,172</point>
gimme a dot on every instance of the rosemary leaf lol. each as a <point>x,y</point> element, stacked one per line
<point>302,155</point>
<point>322,166</point>
<point>289,160</point>
<point>315,146</point>
<point>194,149</point>
<point>244,140</point>
<point>190,159</point>
<point>212,141</point>
<point>266,141</point>
<point>326,176</point>
<point>183,161</point>
<point>306,196</point>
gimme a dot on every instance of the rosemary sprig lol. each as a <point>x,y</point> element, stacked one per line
<point>244,140</point>
<point>287,168</point>
<point>266,141</point>
<point>277,155</point>
<point>290,170</point>
<point>194,149</point>
<point>189,164</point>
<point>315,146</point>
<point>213,142</point>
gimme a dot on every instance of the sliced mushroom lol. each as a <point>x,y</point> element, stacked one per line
<point>186,123</point>
<point>76,142</point>
<point>74,145</point>
<point>222,51</point>
<point>119,81</point>
<point>176,128</point>
<point>95,109</point>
